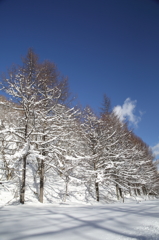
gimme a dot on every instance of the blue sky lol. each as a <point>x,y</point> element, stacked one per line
<point>103,46</point>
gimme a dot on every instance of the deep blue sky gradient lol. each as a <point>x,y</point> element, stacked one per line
<point>103,46</point>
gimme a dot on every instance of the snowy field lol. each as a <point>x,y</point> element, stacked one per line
<point>74,221</point>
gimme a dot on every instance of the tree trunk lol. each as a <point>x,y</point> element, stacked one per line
<point>129,189</point>
<point>41,182</point>
<point>22,189</point>
<point>144,190</point>
<point>66,188</point>
<point>138,191</point>
<point>96,184</point>
<point>97,191</point>
<point>67,180</point>
<point>117,191</point>
<point>120,191</point>
<point>135,190</point>
<point>121,194</point>
<point>42,167</point>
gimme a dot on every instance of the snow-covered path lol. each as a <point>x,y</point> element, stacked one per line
<point>72,222</point>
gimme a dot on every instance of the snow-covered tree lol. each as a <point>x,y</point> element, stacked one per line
<point>26,85</point>
<point>39,131</point>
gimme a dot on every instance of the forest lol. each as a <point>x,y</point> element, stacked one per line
<point>43,137</point>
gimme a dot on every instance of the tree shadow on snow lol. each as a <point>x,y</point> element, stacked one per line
<point>90,223</point>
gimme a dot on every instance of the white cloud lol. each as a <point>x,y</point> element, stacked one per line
<point>155,149</point>
<point>126,111</point>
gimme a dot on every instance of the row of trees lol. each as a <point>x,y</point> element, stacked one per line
<point>38,129</point>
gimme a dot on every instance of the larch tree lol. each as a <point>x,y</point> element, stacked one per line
<point>33,87</point>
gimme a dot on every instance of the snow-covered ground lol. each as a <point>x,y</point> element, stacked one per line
<point>68,221</point>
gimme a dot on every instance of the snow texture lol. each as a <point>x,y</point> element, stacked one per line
<point>139,220</point>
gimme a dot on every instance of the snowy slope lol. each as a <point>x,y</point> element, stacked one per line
<point>75,222</point>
